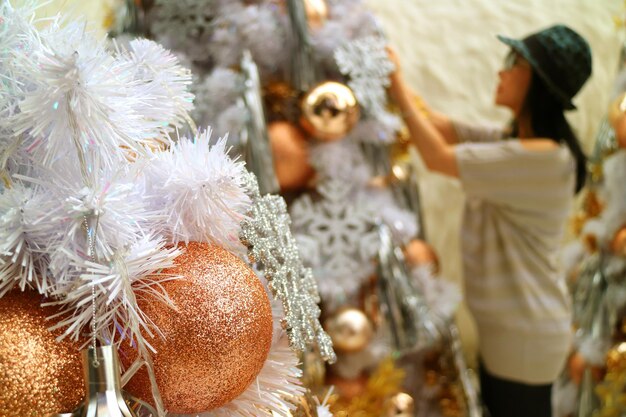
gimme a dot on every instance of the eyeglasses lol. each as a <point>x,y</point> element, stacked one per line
<point>513,59</point>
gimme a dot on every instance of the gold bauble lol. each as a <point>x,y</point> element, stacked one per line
<point>215,342</point>
<point>419,253</point>
<point>400,405</point>
<point>38,374</point>
<point>350,330</point>
<point>616,358</point>
<point>329,111</point>
<point>348,388</point>
<point>316,12</point>
<point>291,156</point>
<point>617,118</point>
<point>618,244</point>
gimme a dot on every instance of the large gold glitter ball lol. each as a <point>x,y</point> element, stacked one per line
<point>329,111</point>
<point>217,339</point>
<point>350,330</point>
<point>38,375</point>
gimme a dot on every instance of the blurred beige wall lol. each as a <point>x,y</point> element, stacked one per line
<point>450,56</point>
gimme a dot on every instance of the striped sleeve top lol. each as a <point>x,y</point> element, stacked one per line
<point>518,201</point>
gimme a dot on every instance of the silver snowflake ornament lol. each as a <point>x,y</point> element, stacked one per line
<point>268,236</point>
<point>366,62</point>
<point>338,237</point>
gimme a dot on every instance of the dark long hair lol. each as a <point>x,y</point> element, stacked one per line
<point>548,121</point>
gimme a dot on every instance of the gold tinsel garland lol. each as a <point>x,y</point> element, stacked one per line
<point>612,390</point>
<point>385,382</point>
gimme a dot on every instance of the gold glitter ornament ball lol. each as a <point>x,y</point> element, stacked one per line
<point>217,339</point>
<point>38,375</point>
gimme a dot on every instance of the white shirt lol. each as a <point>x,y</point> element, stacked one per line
<point>518,203</point>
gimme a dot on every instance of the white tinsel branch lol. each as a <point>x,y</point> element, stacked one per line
<point>115,200</point>
<point>201,191</point>
<point>79,106</point>
<point>162,86</point>
<point>131,275</point>
<point>24,233</point>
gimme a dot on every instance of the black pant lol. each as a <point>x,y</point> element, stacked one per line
<point>505,398</point>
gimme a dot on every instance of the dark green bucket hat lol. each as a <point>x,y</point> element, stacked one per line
<point>560,56</point>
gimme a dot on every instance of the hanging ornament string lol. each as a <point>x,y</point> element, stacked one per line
<point>90,223</point>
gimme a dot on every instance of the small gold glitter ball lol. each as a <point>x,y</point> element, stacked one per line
<point>329,111</point>
<point>38,375</point>
<point>216,341</point>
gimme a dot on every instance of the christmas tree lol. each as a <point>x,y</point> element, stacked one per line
<point>326,135</point>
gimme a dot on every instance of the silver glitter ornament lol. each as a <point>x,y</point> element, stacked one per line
<point>272,246</point>
<point>366,62</point>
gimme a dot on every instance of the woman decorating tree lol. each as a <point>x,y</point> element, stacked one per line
<point>520,183</point>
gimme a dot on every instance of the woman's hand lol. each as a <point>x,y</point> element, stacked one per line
<point>393,57</point>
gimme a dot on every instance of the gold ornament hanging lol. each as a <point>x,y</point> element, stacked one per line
<point>216,341</point>
<point>350,330</point>
<point>400,405</point>
<point>617,118</point>
<point>612,390</point>
<point>382,385</point>
<point>291,156</point>
<point>618,244</point>
<point>419,253</point>
<point>316,13</point>
<point>38,374</point>
<point>329,111</point>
